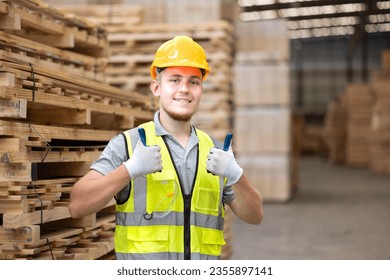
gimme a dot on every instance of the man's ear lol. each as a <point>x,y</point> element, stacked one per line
<point>154,86</point>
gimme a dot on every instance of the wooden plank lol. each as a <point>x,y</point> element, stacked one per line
<point>10,22</point>
<point>37,171</point>
<point>7,79</point>
<point>54,100</point>
<point>50,155</point>
<point>104,248</point>
<point>13,221</point>
<point>18,144</point>
<point>13,204</point>
<point>47,133</point>
<point>24,235</point>
<point>86,221</point>
<point>65,40</point>
<point>71,82</point>
<point>94,72</point>
<point>64,116</point>
<point>13,108</point>
<point>19,171</point>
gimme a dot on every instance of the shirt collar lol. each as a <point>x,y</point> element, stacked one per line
<point>160,130</point>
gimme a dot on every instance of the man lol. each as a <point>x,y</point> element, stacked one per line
<point>171,190</point>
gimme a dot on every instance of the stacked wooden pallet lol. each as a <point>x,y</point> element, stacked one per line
<point>35,20</point>
<point>55,119</point>
<point>262,106</point>
<point>380,122</point>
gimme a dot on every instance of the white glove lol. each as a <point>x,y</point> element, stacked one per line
<point>223,163</point>
<point>145,160</point>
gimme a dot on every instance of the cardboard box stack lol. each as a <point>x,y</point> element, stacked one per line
<point>380,121</point>
<point>262,106</point>
<point>358,101</point>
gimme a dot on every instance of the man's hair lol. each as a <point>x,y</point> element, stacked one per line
<point>160,69</point>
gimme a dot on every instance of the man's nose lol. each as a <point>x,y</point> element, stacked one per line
<point>184,86</point>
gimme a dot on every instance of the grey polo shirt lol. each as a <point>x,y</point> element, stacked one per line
<point>115,154</point>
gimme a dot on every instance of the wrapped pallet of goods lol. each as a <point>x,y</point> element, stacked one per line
<point>262,107</point>
<point>56,116</point>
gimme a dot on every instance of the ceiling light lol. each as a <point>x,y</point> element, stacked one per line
<point>379,18</point>
<point>258,15</point>
<point>248,3</point>
<point>324,22</point>
<point>382,27</point>
<point>383,5</point>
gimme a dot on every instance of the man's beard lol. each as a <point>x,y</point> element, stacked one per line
<point>179,117</point>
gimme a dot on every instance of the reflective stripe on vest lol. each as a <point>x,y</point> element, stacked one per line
<point>152,222</point>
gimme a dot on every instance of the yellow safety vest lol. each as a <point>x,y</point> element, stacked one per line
<point>158,221</point>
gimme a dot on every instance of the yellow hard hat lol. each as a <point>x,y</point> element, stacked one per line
<point>180,51</point>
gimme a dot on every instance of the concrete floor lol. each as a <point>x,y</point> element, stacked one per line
<point>337,213</point>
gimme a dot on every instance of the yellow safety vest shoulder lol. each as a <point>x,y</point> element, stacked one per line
<point>156,220</point>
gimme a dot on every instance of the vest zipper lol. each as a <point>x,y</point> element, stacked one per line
<point>187,227</point>
<point>187,205</point>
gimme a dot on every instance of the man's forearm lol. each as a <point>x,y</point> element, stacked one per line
<point>248,204</point>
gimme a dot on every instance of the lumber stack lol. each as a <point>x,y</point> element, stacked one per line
<point>37,21</point>
<point>358,101</point>
<point>262,113</point>
<point>56,116</point>
<point>380,122</point>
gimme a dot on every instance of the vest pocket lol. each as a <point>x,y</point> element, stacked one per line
<point>162,191</point>
<point>148,239</point>
<point>207,200</point>
<point>212,242</point>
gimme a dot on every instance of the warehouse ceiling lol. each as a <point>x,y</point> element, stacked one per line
<point>322,18</point>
